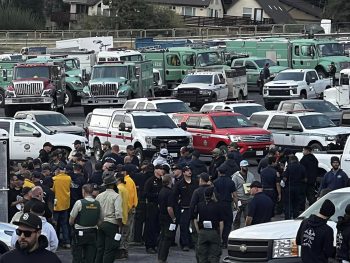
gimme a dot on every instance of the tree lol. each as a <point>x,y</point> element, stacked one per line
<point>338,10</point>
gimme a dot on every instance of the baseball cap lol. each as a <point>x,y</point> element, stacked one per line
<point>130,147</point>
<point>335,159</point>
<point>77,142</point>
<point>47,144</point>
<point>163,151</point>
<point>255,184</point>
<point>244,163</point>
<point>30,220</point>
<point>107,143</point>
<point>186,168</point>
<point>176,167</point>
<point>327,209</point>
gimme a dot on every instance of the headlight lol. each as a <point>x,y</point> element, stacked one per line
<point>235,138</point>
<point>284,248</point>
<point>47,92</point>
<point>148,140</point>
<point>205,92</point>
<point>174,93</point>
<point>9,94</point>
<point>331,138</point>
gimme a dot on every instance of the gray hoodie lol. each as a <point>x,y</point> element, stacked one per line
<point>238,179</point>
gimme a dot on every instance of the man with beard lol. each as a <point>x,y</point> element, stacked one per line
<point>30,247</point>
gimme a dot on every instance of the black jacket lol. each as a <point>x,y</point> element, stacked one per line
<point>44,156</point>
<point>197,167</point>
<point>316,240</point>
<point>310,163</point>
<point>40,255</point>
<point>230,167</point>
<point>343,238</point>
<point>215,163</point>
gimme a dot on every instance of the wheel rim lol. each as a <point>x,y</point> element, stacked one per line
<point>97,151</point>
<point>138,154</point>
<point>1,98</point>
<point>66,99</point>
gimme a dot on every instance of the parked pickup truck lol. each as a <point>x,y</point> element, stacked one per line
<point>274,242</point>
<point>27,138</point>
<point>294,84</point>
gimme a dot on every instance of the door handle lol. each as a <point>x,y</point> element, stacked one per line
<point>287,134</point>
<point>109,132</point>
<point>301,62</point>
<point>293,61</point>
<point>17,141</point>
<point>347,159</point>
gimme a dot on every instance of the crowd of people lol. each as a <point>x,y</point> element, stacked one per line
<point>98,209</point>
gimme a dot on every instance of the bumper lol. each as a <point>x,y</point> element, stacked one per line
<point>28,100</point>
<point>249,151</point>
<point>194,99</point>
<point>228,259</point>
<point>279,98</point>
<point>103,101</point>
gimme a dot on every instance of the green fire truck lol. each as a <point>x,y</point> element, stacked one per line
<point>176,62</point>
<point>295,53</point>
<point>7,68</point>
<point>111,84</point>
<point>74,85</point>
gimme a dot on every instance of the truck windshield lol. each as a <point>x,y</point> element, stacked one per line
<point>31,72</point>
<point>43,128</point>
<point>131,58</point>
<point>189,59</point>
<point>172,107</point>
<point>206,79</point>
<point>53,120</point>
<point>154,122</point>
<point>340,201</point>
<point>316,121</point>
<point>71,64</point>
<point>262,62</point>
<point>208,59</point>
<point>296,76</point>
<point>320,106</point>
<point>109,72</point>
<point>227,121</point>
<point>330,49</point>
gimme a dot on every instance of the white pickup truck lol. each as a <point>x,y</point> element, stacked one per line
<point>26,138</point>
<point>294,84</point>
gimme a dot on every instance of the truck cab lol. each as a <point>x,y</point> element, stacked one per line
<point>6,72</point>
<point>35,85</point>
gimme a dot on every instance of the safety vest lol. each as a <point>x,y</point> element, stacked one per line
<point>89,213</point>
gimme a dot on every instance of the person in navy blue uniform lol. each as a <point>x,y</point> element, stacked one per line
<point>343,237</point>
<point>335,178</point>
<point>261,207</point>
<point>271,181</point>
<point>225,189</point>
<point>293,178</point>
<point>197,166</point>
<point>230,164</point>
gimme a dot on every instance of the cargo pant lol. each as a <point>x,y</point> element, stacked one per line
<point>209,247</point>
<point>84,245</point>
<point>166,238</point>
<point>107,246</point>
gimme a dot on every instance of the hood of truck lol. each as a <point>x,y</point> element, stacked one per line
<point>45,80</point>
<point>329,131</point>
<point>108,80</point>
<point>335,59</point>
<point>276,69</point>
<point>71,129</point>
<point>160,132</point>
<point>274,230</point>
<point>64,139</point>
<point>195,86</point>
<point>242,131</point>
<point>279,83</point>
<point>73,73</point>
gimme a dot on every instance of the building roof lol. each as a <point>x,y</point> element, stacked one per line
<point>276,11</point>
<point>199,3</point>
<point>304,6</point>
<point>83,2</point>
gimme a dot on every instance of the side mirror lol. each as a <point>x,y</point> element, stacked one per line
<point>122,126</point>
<point>83,74</point>
<point>36,134</point>
<point>297,128</point>
<point>183,125</point>
<point>73,123</point>
<point>4,74</point>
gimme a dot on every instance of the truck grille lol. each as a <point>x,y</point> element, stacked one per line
<point>104,89</point>
<point>257,138</point>
<point>173,143</point>
<point>29,88</point>
<point>248,250</point>
<point>279,92</point>
<point>188,91</point>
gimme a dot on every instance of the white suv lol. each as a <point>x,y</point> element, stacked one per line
<point>296,129</point>
<point>245,107</point>
<point>145,130</point>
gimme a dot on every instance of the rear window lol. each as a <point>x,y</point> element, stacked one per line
<point>259,119</point>
<point>248,110</point>
<point>206,108</point>
<point>129,105</point>
<point>345,121</point>
<point>100,121</point>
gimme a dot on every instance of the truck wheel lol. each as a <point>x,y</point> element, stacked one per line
<point>9,111</point>
<point>61,110</point>
<point>303,96</point>
<point>53,105</point>
<point>87,110</point>
<point>2,98</point>
<point>139,154</point>
<point>97,150</point>
<point>68,98</point>
<point>269,106</point>
<point>316,147</point>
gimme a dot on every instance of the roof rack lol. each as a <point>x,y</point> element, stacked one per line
<point>217,110</point>
<point>197,46</point>
<point>239,101</point>
<point>160,98</point>
<point>300,111</point>
<point>155,48</point>
<point>117,48</point>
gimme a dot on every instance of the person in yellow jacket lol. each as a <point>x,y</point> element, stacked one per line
<point>27,179</point>
<point>61,189</point>
<point>123,192</point>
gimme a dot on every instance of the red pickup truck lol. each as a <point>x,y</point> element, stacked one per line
<point>217,129</point>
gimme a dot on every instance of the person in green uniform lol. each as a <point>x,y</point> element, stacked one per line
<point>84,218</point>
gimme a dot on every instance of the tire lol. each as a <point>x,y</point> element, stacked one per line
<point>61,110</point>
<point>9,111</point>
<point>303,96</point>
<point>316,147</point>
<point>53,105</point>
<point>97,150</point>
<point>87,110</point>
<point>68,99</point>
<point>139,154</point>
<point>240,96</point>
<point>2,98</point>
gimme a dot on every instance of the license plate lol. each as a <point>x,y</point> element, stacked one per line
<point>173,154</point>
<point>259,153</point>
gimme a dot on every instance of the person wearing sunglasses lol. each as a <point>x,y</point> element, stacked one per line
<point>31,244</point>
